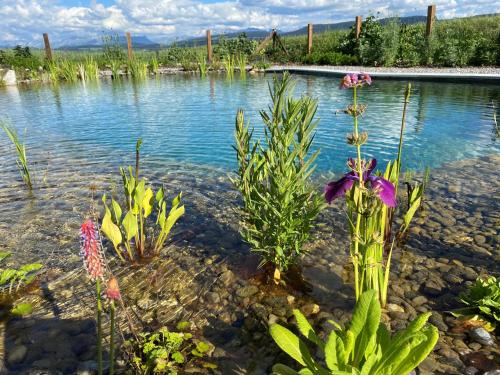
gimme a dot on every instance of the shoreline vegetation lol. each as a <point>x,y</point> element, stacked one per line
<point>456,43</point>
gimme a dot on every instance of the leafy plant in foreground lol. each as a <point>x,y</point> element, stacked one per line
<point>365,347</point>
<point>482,301</point>
<point>22,160</point>
<point>166,351</point>
<point>128,230</point>
<point>280,205</point>
<point>371,202</point>
<point>12,279</point>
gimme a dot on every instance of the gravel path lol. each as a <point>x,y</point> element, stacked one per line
<point>491,74</point>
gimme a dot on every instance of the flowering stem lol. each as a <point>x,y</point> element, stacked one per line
<point>112,340</point>
<point>360,198</point>
<point>99,327</point>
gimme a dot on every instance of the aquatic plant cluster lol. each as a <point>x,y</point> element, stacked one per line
<point>278,213</point>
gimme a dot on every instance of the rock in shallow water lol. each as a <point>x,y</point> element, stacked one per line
<point>17,354</point>
<point>482,336</point>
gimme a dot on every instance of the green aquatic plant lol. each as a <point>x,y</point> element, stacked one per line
<point>138,69</point>
<point>115,66</point>
<point>371,202</point>
<point>241,62</point>
<point>279,203</point>
<point>202,64</point>
<point>11,279</point>
<point>365,347</point>
<point>129,230</point>
<point>154,66</point>
<point>53,71</point>
<point>167,352</point>
<point>68,70</point>
<point>22,159</point>
<point>228,63</point>
<point>91,69</point>
<point>483,302</point>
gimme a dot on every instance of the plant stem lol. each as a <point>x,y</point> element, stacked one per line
<point>403,122</point>
<point>99,327</point>
<point>360,199</point>
<point>112,340</point>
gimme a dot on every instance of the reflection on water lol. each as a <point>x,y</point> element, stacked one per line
<point>187,119</point>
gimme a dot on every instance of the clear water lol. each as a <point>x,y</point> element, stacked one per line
<point>185,119</point>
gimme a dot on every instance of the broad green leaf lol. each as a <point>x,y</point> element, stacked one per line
<point>30,267</point>
<point>147,202</point>
<point>173,216</point>
<point>4,255</point>
<point>117,210</point>
<point>290,344</point>
<point>178,357</point>
<point>280,369</point>
<point>306,329</point>
<point>408,216</point>
<point>7,275</point>
<point>130,225</point>
<point>331,351</point>
<point>160,195</point>
<point>140,192</point>
<point>365,323</point>
<point>110,229</point>
<point>22,309</point>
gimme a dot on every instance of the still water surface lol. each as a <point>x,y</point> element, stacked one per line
<point>185,119</point>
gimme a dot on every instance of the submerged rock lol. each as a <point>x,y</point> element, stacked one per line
<point>482,336</point>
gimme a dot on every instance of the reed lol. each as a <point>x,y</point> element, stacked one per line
<point>202,64</point>
<point>154,66</point>
<point>241,61</point>
<point>228,63</point>
<point>22,160</point>
<point>91,69</point>
<point>115,66</point>
<point>68,71</point>
<point>137,69</point>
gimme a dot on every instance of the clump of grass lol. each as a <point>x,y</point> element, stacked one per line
<point>228,63</point>
<point>91,69</point>
<point>202,64</point>
<point>115,66</point>
<point>241,61</point>
<point>137,69</point>
<point>22,160</point>
<point>68,71</point>
<point>154,66</point>
<point>54,72</point>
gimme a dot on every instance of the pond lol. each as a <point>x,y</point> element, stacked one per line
<point>78,135</point>
<point>184,119</point>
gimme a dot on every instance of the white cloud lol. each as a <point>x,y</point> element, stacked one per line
<point>23,21</point>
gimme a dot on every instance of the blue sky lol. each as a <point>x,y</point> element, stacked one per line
<point>73,21</point>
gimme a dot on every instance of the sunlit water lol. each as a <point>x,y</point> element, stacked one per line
<point>187,120</point>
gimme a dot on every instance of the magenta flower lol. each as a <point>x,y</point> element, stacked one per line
<point>355,80</point>
<point>91,251</point>
<point>384,188</point>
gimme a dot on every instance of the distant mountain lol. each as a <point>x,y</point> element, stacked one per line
<point>138,42</point>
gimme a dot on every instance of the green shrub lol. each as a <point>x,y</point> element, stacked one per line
<point>412,45</point>
<point>365,347</point>
<point>280,205</point>
<point>240,45</point>
<point>167,352</point>
<point>329,58</point>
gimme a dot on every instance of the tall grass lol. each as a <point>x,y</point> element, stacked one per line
<point>154,66</point>
<point>22,160</point>
<point>137,69</point>
<point>91,69</point>
<point>228,63</point>
<point>115,66</point>
<point>68,70</point>
<point>202,64</point>
<point>241,61</point>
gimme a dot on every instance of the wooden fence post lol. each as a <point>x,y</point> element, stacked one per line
<point>48,50</point>
<point>209,46</point>
<point>129,46</point>
<point>358,26</point>
<point>309,37</point>
<point>431,16</point>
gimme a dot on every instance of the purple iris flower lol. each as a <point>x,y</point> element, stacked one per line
<point>384,188</point>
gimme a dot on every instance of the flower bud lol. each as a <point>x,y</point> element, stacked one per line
<point>113,290</point>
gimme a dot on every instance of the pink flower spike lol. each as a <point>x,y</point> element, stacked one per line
<point>91,251</point>
<point>113,290</point>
